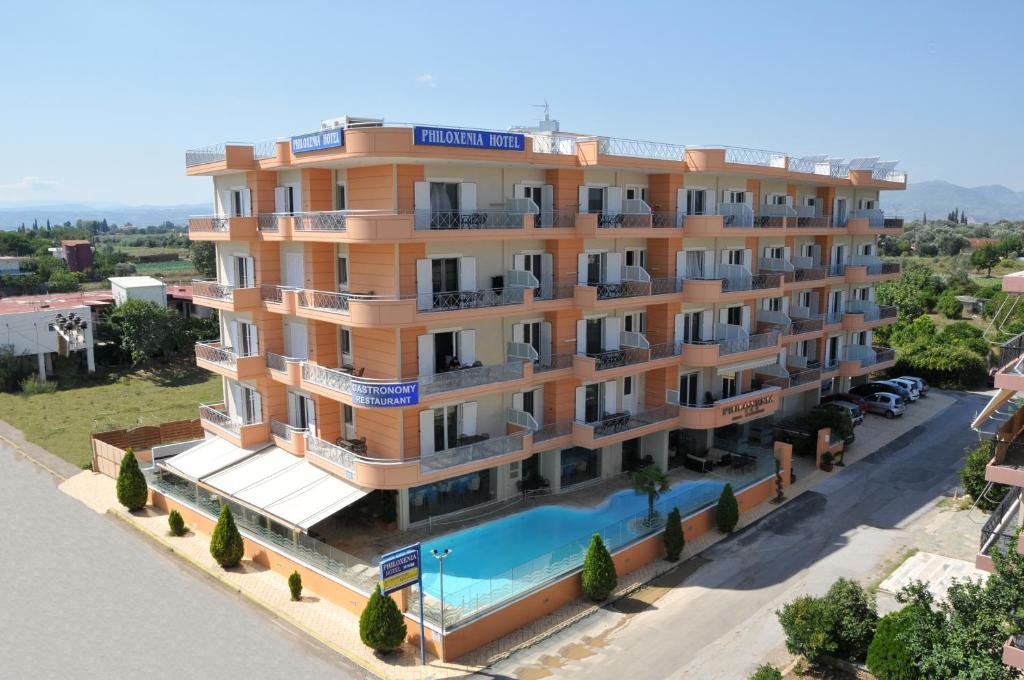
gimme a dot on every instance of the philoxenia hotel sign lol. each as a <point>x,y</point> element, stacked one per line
<point>740,410</point>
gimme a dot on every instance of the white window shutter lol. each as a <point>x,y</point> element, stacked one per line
<point>707,329</point>
<point>310,414</point>
<point>547,204</point>
<point>748,197</point>
<point>680,265</point>
<point>280,204</point>
<point>581,337</point>
<point>246,202</point>
<point>467,197</point>
<point>677,329</point>
<point>547,274</point>
<point>748,258</point>
<point>613,267</point>
<point>467,347</point>
<point>517,401</point>
<point>723,315</point>
<point>225,203</point>
<point>610,389</point>
<point>612,325</point>
<point>725,256</point>
<point>426,432</point>
<point>545,341</point>
<point>467,273</point>
<point>745,316</point>
<point>255,406</point>
<point>421,203</point>
<point>613,200</point>
<point>680,206</point>
<point>517,333</point>
<point>518,191</point>
<point>254,343</point>
<point>424,285</point>
<point>293,408</point>
<point>468,412</point>
<point>425,354</point>
<point>519,262</point>
<point>581,404</point>
<point>709,198</point>
<point>584,198</point>
<point>581,269</point>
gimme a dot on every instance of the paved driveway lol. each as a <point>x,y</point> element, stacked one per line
<point>83,597</point>
<point>720,622</point>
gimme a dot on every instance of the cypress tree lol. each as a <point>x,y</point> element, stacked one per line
<point>674,538</point>
<point>599,577</point>
<point>132,489</point>
<point>176,523</point>
<point>295,586</point>
<point>226,543</point>
<point>381,625</point>
<point>727,514</point>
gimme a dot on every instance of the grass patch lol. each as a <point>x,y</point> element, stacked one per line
<point>62,421</point>
<point>890,566</point>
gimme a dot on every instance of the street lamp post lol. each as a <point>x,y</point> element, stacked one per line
<point>440,555</point>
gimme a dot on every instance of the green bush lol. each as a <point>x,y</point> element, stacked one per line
<point>766,672</point>
<point>132,489</point>
<point>805,624</point>
<point>295,586</point>
<point>949,306</point>
<point>836,419</point>
<point>943,365</point>
<point>674,538</point>
<point>888,655</point>
<point>840,624</point>
<point>381,625</point>
<point>972,476</point>
<point>964,334</point>
<point>33,385</point>
<point>727,512</point>
<point>598,578</point>
<point>176,523</point>
<point>13,369</point>
<point>226,544</point>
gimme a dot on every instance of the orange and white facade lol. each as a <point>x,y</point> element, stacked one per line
<point>422,310</point>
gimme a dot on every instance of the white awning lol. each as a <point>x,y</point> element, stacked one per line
<point>298,493</point>
<point>207,458</point>
<point>1000,398</point>
<point>747,365</point>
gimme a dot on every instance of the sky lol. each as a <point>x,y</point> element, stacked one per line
<point>99,100</point>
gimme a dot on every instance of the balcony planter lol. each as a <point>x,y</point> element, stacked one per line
<point>826,462</point>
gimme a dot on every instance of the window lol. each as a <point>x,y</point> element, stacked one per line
<point>735,196</point>
<point>636,257</point>
<point>592,403</point>
<point>348,415</point>
<point>595,340</point>
<point>836,305</point>
<point>804,298</point>
<point>533,192</point>
<point>733,256</point>
<point>339,197</point>
<point>446,427</point>
<point>865,249</point>
<point>775,252</point>
<point>634,193</point>
<point>531,335</point>
<point>595,199</point>
<point>342,272</point>
<point>529,403</point>
<point>251,411</point>
<point>445,274</point>
<point>807,250</point>
<point>773,304</point>
<point>635,322</point>
<point>861,338</point>
<point>734,315</point>
<point>810,202</point>
<point>627,386</point>
<point>832,353</point>
<point>689,389</point>
<point>248,344</point>
<point>777,199</point>
<point>693,327</point>
<point>345,344</point>
<point>729,385</point>
<point>444,197</point>
<point>593,269</point>
<point>696,201</point>
<point>694,264</point>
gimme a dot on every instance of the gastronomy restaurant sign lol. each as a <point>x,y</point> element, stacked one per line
<point>474,139</point>
<point>385,394</point>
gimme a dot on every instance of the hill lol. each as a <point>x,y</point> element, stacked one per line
<point>14,214</point>
<point>936,198</point>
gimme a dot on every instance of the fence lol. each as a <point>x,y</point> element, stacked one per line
<point>108,448</point>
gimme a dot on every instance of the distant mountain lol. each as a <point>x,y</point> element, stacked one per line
<point>937,199</point>
<point>12,215</point>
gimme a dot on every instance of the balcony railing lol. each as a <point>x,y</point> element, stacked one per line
<point>736,215</point>
<point>624,220</point>
<point>474,376</point>
<point>215,354</point>
<point>667,220</point>
<point>550,431</point>
<point>869,356</point>
<point>555,219</point>
<point>837,269</point>
<point>271,293</point>
<point>557,144</point>
<point>889,175</point>
<point>761,157</point>
<point>211,289</point>
<point>805,376</point>
<point>323,300</point>
<point>215,414</point>
<point>209,223</point>
<point>635,148</point>
<point>624,289</point>
<point>559,290</point>
<point>205,154</point>
<point>616,423</point>
<point>332,453</point>
<point>554,363</point>
<point>471,453</point>
<point>430,220</point>
<point>267,222</point>
<point>869,309</point>
<point>616,358</point>
<point>875,217</point>
<point>284,430</point>
<point>333,220</point>
<point>470,299</point>
<point>330,378</point>
<point>1000,528</point>
<point>802,274</point>
<point>801,326</point>
<point>278,362</point>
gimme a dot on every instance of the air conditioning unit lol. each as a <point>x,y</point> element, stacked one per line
<point>350,122</point>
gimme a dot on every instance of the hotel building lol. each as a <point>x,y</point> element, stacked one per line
<point>434,319</point>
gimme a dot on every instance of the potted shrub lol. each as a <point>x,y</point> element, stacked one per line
<point>727,512</point>
<point>295,586</point>
<point>599,577</point>
<point>674,538</point>
<point>381,625</point>
<point>176,523</point>
<point>826,461</point>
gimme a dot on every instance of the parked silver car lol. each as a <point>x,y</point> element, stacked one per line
<point>886,404</point>
<point>908,385</point>
<point>922,386</point>
<point>855,414</point>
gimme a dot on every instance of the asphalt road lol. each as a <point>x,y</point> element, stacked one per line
<point>83,596</point>
<point>721,623</point>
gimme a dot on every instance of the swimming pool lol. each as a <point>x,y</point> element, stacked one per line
<point>500,559</point>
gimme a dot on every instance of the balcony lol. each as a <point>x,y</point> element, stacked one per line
<point>790,380</point>
<point>556,362</point>
<point>221,228</point>
<point>1013,652</point>
<point>999,533</point>
<point>807,272</point>
<point>617,427</point>
<point>869,269</point>
<point>722,411</point>
<point>477,378</point>
<point>215,418</point>
<point>326,302</point>
<point>862,359</point>
<point>288,437</point>
<point>224,297</point>
<point>634,350</point>
<point>478,220</point>
<point>454,301</point>
<point>730,282</point>
<point>287,370</point>
<point>316,376</point>
<point>635,283</point>
<point>213,356</point>
<point>809,222</point>
<point>486,449</point>
<point>864,314</point>
<point>873,222</point>
<point>1011,373</point>
<point>1007,464</point>
<point>732,342</point>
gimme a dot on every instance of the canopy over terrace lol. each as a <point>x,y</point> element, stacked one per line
<point>270,481</point>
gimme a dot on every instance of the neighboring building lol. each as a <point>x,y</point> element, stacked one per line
<point>77,255</point>
<point>146,288</point>
<point>180,298</point>
<point>44,325</point>
<point>437,320</point>
<point>971,305</point>
<point>1007,465</point>
<point>10,266</point>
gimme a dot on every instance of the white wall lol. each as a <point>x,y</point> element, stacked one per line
<point>154,293</point>
<point>28,332</point>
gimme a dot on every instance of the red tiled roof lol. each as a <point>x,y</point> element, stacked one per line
<point>30,303</point>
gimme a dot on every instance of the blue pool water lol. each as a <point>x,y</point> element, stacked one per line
<point>500,559</point>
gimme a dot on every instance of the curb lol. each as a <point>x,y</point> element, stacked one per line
<point>36,461</point>
<point>129,521</point>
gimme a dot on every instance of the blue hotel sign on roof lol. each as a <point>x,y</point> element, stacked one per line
<point>315,141</point>
<point>473,139</point>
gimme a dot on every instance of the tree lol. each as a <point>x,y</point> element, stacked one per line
<point>889,657</point>
<point>949,305</point>
<point>145,330</point>
<point>226,544</point>
<point>804,622</point>
<point>651,480</point>
<point>176,523</point>
<point>295,586</point>
<point>13,368</point>
<point>972,476</point>
<point>727,512</point>
<point>766,672</point>
<point>204,258</point>
<point>598,578</point>
<point>986,256</point>
<point>381,625</point>
<point>675,540</point>
<point>854,616</point>
<point>132,490</point>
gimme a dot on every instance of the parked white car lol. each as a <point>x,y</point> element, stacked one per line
<point>909,385</point>
<point>886,404</point>
<point>922,386</point>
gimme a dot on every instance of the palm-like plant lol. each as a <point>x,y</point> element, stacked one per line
<point>651,480</point>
